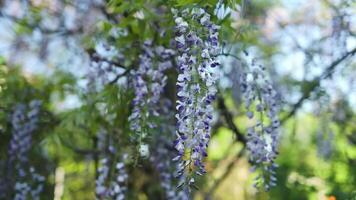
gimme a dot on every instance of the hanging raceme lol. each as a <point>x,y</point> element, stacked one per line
<point>111,183</point>
<point>149,81</point>
<point>118,186</point>
<point>324,134</point>
<point>101,189</point>
<point>197,43</point>
<point>324,142</point>
<point>162,153</point>
<point>262,104</point>
<point>103,67</point>
<point>161,160</point>
<point>24,121</point>
<point>112,176</point>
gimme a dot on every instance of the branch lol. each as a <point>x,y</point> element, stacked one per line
<point>229,54</point>
<point>227,172</point>
<point>316,82</point>
<point>330,69</point>
<point>239,137</point>
<point>119,76</point>
<point>60,31</point>
<point>229,120</point>
<point>95,57</point>
<point>91,152</point>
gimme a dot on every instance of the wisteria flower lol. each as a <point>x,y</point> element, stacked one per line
<point>196,90</point>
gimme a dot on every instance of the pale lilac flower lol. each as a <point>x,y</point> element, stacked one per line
<point>324,142</point>
<point>29,190</point>
<point>161,160</point>
<point>102,189</point>
<point>24,121</point>
<point>262,104</point>
<point>118,185</point>
<point>149,81</point>
<point>104,67</point>
<point>196,91</point>
<point>112,176</point>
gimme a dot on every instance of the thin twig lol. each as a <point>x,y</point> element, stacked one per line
<point>60,31</point>
<point>229,55</point>
<point>119,76</point>
<point>229,120</point>
<point>229,169</point>
<point>316,83</point>
<point>95,57</point>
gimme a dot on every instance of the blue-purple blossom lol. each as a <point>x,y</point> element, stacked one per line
<point>101,189</point>
<point>118,185</point>
<point>149,81</point>
<point>324,142</point>
<point>24,121</point>
<point>111,174</point>
<point>262,104</point>
<point>111,186</point>
<point>196,90</point>
<point>103,67</point>
<point>29,189</point>
<point>161,160</point>
<point>340,32</point>
<point>112,178</point>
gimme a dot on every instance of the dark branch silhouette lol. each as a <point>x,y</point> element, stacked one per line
<point>316,83</point>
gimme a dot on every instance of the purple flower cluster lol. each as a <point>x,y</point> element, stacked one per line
<point>340,32</point>
<point>197,43</point>
<point>162,161</point>
<point>262,104</point>
<point>111,181</point>
<point>106,187</point>
<point>24,121</point>
<point>149,81</point>
<point>324,142</point>
<point>24,190</point>
<point>103,67</point>
<point>101,189</point>
<point>118,186</point>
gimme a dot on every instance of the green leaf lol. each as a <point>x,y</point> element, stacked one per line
<point>186,2</point>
